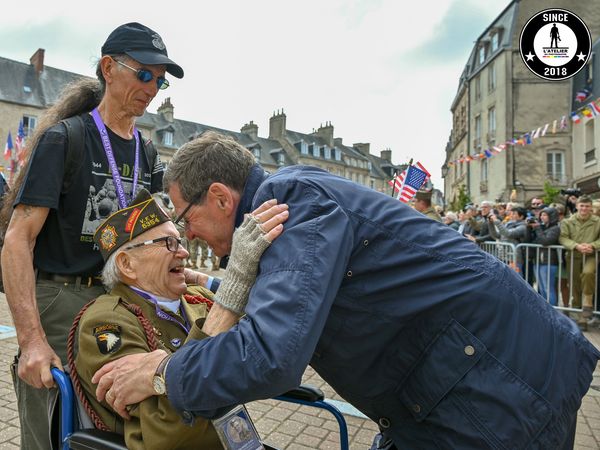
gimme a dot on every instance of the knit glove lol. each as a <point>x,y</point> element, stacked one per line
<point>249,243</point>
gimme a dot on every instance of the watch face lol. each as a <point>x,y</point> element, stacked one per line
<point>159,385</point>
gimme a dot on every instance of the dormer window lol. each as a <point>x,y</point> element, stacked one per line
<point>315,150</point>
<point>495,41</point>
<point>481,54</point>
<point>256,152</point>
<point>167,138</point>
<point>281,159</point>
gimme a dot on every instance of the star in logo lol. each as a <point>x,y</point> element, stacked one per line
<point>581,56</point>
<point>529,56</point>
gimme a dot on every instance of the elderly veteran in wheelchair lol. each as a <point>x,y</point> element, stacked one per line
<point>150,307</point>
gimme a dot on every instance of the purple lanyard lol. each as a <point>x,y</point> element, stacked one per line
<point>163,315</point>
<point>123,203</point>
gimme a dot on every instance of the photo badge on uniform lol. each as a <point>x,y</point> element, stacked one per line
<point>108,338</point>
<point>555,44</point>
<point>236,430</point>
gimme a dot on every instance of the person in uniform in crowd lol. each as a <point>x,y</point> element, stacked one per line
<point>193,251</point>
<point>580,235</point>
<point>49,263</point>
<point>426,334</point>
<point>144,274</point>
<point>423,205</point>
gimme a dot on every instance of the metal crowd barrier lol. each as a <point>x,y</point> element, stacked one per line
<point>553,281</point>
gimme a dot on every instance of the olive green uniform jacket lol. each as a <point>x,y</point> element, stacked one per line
<point>108,331</point>
<point>575,231</point>
<point>432,214</point>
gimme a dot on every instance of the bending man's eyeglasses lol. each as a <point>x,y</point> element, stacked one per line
<point>146,76</point>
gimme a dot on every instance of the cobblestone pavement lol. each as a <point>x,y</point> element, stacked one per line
<point>282,425</point>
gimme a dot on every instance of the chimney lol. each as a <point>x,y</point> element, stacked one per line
<point>251,129</point>
<point>386,154</point>
<point>166,110</point>
<point>364,149</point>
<point>277,125</point>
<point>37,61</point>
<point>337,141</point>
<point>326,133</point>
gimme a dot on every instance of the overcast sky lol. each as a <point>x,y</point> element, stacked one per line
<point>380,72</point>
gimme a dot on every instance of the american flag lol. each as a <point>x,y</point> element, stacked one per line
<point>8,148</point>
<point>411,181</point>
<point>20,143</point>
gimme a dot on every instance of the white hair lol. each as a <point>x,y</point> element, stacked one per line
<point>111,275</point>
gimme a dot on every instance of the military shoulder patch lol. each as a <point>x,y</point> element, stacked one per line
<point>108,338</point>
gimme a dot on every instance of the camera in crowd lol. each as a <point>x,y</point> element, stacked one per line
<point>531,220</point>
<point>572,191</point>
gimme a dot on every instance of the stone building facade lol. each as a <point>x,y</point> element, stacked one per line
<point>506,101</point>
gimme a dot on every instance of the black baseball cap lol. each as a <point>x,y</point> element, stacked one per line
<point>142,44</point>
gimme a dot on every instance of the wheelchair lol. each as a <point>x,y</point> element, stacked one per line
<point>76,432</point>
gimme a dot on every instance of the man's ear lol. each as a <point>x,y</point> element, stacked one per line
<point>125,265</point>
<point>107,65</point>
<point>223,198</point>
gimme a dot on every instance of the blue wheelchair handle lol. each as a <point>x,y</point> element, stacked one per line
<point>66,414</point>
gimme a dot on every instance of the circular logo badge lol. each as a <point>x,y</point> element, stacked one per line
<point>555,44</point>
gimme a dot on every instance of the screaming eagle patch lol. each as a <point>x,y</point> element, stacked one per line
<point>108,338</point>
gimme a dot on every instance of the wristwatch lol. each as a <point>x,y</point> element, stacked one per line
<point>158,381</point>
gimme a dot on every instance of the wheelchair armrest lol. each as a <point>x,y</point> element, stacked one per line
<point>96,439</point>
<point>305,392</point>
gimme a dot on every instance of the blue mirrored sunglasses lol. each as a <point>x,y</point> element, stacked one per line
<point>146,76</point>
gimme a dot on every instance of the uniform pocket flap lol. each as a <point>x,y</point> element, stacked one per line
<point>445,361</point>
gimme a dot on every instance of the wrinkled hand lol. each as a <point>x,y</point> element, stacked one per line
<point>193,277</point>
<point>471,237</point>
<point>249,242</point>
<point>127,380</point>
<point>35,361</point>
<point>270,216</point>
<point>586,249</point>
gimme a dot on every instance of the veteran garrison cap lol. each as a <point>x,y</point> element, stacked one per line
<point>142,44</point>
<point>423,195</point>
<point>124,225</point>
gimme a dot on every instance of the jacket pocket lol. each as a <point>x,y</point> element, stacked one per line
<point>469,398</point>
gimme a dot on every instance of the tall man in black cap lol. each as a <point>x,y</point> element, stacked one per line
<point>49,260</point>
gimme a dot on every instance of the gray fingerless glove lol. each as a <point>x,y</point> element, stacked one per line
<point>249,243</point>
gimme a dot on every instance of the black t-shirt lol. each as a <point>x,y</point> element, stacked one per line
<point>65,244</point>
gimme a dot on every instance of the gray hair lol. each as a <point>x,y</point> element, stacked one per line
<point>210,158</point>
<point>111,275</point>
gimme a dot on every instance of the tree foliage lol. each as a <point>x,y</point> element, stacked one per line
<point>463,199</point>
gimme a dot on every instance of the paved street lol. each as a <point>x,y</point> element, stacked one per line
<point>284,425</point>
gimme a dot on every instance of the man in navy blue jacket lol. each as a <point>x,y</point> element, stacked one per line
<point>438,342</point>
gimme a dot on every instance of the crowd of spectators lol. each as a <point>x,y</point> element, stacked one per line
<point>572,227</point>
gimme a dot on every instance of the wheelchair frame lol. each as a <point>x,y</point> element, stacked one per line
<point>305,395</point>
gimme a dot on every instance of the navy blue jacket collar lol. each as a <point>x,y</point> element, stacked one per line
<point>255,178</point>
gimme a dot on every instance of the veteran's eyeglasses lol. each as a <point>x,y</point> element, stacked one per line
<point>171,242</point>
<point>145,76</point>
